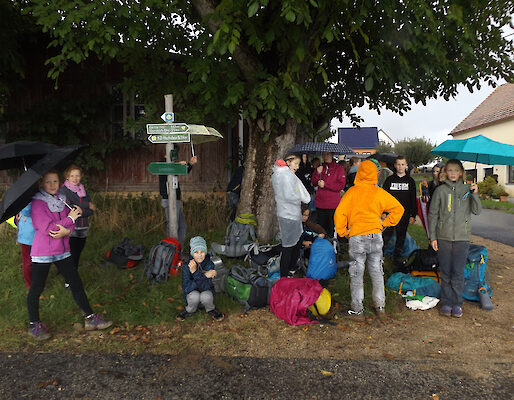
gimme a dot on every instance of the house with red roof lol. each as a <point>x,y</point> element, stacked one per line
<point>493,118</point>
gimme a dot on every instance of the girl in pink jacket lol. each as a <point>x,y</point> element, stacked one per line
<point>53,221</point>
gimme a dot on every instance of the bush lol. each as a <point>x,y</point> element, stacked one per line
<point>486,185</point>
<point>497,191</point>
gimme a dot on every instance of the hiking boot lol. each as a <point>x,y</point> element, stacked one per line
<point>181,316</point>
<point>446,311</point>
<point>95,321</point>
<point>353,314</point>
<point>456,311</point>
<point>217,315</point>
<point>38,331</point>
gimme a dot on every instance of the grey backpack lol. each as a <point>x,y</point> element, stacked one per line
<point>159,262</point>
<point>236,239</point>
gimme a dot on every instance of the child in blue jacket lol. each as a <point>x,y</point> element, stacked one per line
<point>26,234</point>
<point>197,282</point>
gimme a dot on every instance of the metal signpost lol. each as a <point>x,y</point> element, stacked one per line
<point>173,132</point>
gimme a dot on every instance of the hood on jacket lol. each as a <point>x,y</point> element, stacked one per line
<point>367,174</point>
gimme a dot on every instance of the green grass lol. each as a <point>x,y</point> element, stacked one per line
<point>123,295</point>
<point>504,206</point>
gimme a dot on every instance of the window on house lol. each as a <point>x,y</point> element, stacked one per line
<point>126,110</point>
<point>510,173</point>
<point>488,172</point>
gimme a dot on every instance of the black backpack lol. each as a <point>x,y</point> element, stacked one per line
<point>125,254</point>
<point>421,260</point>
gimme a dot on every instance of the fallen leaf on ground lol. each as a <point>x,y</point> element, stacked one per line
<point>434,397</point>
<point>326,373</point>
<point>47,383</point>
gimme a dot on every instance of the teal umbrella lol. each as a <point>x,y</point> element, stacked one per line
<point>477,149</point>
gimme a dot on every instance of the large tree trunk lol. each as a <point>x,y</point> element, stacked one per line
<point>257,194</point>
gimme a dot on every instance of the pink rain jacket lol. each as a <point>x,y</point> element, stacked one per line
<point>290,298</point>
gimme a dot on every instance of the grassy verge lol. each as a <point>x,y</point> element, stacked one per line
<point>123,295</point>
<point>504,206</point>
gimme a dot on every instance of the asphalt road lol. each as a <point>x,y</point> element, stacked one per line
<point>190,376</point>
<point>494,225</point>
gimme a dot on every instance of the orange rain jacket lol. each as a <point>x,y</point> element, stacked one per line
<point>359,211</point>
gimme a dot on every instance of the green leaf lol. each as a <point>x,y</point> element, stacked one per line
<point>252,10</point>
<point>368,84</point>
<point>290,16</point>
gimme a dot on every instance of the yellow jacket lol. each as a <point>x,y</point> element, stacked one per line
<point>361,207</point>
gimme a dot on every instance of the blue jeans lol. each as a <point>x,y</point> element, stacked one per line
<point>452,258</point>
<point>362,248</point>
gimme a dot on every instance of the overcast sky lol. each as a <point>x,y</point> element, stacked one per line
<point>433,121</point>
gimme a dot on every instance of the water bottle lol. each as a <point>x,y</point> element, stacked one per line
<point>485,300</point>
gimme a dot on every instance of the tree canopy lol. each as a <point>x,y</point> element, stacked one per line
<point>417,151</point>
<point>308,60</point>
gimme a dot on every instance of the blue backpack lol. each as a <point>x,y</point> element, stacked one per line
<point>475,273</point>
<point>402,283</point>
<point>408,246</point>
<point>322,261</point>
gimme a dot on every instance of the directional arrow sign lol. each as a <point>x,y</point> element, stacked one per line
<point>168,117</point>
<point>162,168</point>
<point>152,129</point>
<point>170,138</point>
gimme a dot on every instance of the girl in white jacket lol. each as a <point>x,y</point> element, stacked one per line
<point>290,193</point>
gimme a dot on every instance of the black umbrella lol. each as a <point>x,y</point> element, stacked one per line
<point>20,193</point>
<point>321,147</point>
<point>23,154</point>
<point>388,158</point>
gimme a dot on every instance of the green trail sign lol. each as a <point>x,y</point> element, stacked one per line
<point>162,168</point>
<point>170,138</point>
<point>152,129</point>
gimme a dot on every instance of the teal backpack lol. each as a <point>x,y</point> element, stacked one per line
<point>402,283</point>
<point>475,273</point>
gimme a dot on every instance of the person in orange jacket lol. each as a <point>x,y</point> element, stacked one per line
<point>359,215</point>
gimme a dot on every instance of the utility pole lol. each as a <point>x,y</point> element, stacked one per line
<point>172,181</point>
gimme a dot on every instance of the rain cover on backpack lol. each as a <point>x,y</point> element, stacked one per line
<point>322,261</point>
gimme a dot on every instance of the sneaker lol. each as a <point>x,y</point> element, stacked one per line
<point>354,314</point>
<point>215,314</point>
<point>95,321</point>
<point>457,311</point>
<point>38,331</point>
<point>446,311</point>
<point>67,286</point>
<point>183,315</point>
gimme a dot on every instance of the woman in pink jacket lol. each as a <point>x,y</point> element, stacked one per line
<point>53,221</point>
<point>329,179</point>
